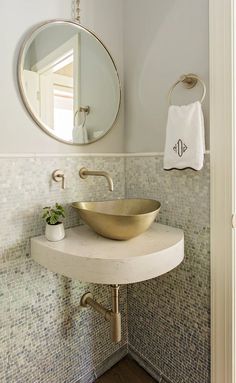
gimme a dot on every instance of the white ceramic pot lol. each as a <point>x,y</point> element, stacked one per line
<point>54,233</point>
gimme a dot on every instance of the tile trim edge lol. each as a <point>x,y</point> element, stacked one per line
<point>82,155</point>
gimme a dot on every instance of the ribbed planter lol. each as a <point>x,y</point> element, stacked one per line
<point>55,233</point>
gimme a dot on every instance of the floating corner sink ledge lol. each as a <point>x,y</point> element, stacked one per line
<point>86,256</point>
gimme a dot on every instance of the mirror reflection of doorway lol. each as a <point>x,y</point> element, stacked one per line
<point>54,87</point>
<point>63,105</point>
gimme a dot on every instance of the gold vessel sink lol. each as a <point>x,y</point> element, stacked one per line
<point>120,219</point>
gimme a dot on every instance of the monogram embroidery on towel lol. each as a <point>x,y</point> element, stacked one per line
<point>180,148</point>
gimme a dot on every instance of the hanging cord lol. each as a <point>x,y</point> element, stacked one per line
<point>76,10</point>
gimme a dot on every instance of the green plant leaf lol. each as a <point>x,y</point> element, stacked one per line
<point>53,220</point>
<point>52,214</point>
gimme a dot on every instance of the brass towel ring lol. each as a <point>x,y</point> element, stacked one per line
<point>189,81</point>
<point>85,110</point>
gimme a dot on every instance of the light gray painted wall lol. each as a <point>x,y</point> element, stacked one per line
<point>19,134</point>
<point>162,40</point>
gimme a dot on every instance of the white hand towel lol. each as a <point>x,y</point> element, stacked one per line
<point>80,134</point>
<point>185,137</point>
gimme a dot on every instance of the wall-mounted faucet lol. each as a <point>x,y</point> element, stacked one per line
<point>84,173</point>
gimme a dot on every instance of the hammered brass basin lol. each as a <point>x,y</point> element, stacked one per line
<point>120,219</point>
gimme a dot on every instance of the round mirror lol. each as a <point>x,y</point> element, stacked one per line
<point>69,82</point>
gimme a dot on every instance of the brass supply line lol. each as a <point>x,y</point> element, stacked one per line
<point>112,315</point>
<point>84,173</point>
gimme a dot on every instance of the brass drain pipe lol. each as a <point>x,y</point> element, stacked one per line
<point>112,315</point>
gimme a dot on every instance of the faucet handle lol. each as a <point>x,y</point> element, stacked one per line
<point>59,176</point>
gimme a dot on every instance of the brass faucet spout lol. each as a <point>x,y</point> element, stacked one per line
<point>84,173</point>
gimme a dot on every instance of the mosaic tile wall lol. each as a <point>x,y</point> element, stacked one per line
<point>169,317</point>
<point>44,336</point>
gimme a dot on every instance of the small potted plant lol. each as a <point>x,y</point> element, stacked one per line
<point>54,227</point>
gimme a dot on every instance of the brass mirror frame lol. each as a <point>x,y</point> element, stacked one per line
<point>20,63</point>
